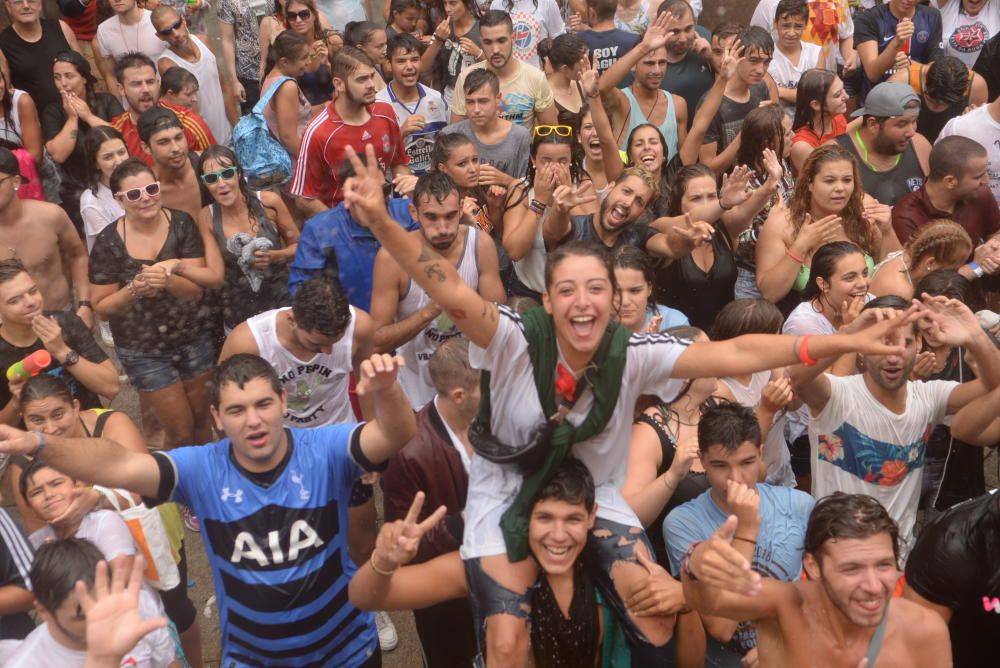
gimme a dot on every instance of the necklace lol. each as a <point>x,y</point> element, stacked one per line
<point>861,143</point>
<point>649,114</point>
<point>121,29</point>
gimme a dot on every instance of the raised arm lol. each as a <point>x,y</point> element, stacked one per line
<point>647,493</point>
<point>394,422</point>
<point>654,38</point>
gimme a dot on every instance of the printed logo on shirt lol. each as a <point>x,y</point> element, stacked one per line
<point>526,27</point>
<point>236,496</point>
<point>922,36</point>
<point>365,136</point>
<point>876,462</point>
<point>914,183</point>
<point>516,107</point>
<point>969,38</point>
<point>297,479</point>
<point>605,58</point>
<point>991,604</point>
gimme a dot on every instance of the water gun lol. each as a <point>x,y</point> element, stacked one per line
<point>32,365</point>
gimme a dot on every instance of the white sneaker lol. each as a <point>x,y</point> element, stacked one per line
<point>387,636</point>
<point>106,334</point>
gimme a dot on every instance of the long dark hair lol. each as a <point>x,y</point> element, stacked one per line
<point>762,128</point>
<point>814,85</point>
<point>679,185</point>
<point>287,44</point>
<point>664,180</point>
<point>82,68</point>
<point>577,173</point>
<point>7,104</point>
<point>225,156</point>
<point>824,264</point>
<point>311,6</point>
<point>631,257</point>
<point>92,142</point>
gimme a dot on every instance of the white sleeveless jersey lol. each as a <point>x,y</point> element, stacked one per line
<point>415,377</point>
<point>317,389</point>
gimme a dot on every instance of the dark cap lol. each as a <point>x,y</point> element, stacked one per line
<point>10,165</point>
<point>155,119</point>
<point>889,99</point>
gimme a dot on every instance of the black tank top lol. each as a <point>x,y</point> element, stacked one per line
<point>697,294</point>
<point>888,185</point>
<point>31,62</point>
<point>930,123</point>
<point>574,119</point>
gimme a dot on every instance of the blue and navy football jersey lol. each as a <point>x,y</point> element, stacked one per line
<point>279,553</point>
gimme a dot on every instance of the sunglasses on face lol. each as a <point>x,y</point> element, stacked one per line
<point>209,178</point>
<point>546,130</point>
<point>135,194</point>
<point>170,28</point>
<point>302,15</point>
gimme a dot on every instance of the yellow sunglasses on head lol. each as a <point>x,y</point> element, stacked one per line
<point>546,130</point>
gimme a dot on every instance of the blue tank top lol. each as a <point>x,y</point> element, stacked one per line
<point>668,127</point>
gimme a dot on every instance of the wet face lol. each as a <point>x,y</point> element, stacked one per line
<point>111,154</point>
<point>789,29</point>
<point>406,20</point>
<point>681,38</point>
<point>313,341</point>
<point>836,98</point>
<point>463,166</point>
<point>405,67</point>
<point>68,79</point>
<point>633,298</point>
<point>722,466</point>
<point>49,493</point>
<point>147,206</point>
<point>858,576</point>
<point>754,67</point>
<point>482,105</point>
<point>251,416</point>
<point>359,87</point>
<point>697,192</point>
<point>650,69</point>
<point>20,299</point>
<point>589,139</point>
<point>849,280</point>
<point>172,29</point>
<point>579,297</point>
<point>557,534</point>
<point>647,149</point>
<point>141,87</point>
<point>890,372</point>
<point>226,188</point>
<point>439,221</point>
<point>497,45</point>
<point>625,203</point>
<point>169,148</point>
<point>833,185</point>
<point>974,178</point>
<point>53,416</point>
<point>894,134</point>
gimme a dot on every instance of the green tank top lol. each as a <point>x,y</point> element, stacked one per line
<point>802,278</point>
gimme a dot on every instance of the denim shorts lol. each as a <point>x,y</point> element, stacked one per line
<point>152,371</point>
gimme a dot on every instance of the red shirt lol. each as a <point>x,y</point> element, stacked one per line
<point>979,215</point>
<point>198,135</point>
<point>809,136</point>
<point>323,143</point>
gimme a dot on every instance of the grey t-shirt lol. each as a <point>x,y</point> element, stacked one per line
<point>509,156</point>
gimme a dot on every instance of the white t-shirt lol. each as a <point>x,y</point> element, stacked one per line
<point>803,320</point>
<point>517,412</point>
<point>787,75</point>
<point>115,38</point>
<point>964,36</point>
<point>98,211</point>
<point>763,17</point>
<point>531,25</point>
<point>103,528</point>
<point>431,105</point>
<point>211,103</point>
<point>979,125</point>
<point>40,649</point>
<point>859,446</point>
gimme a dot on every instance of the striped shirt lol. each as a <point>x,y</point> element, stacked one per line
<point>199,137</point>
<point>15,563</point>
<point>323,143</point>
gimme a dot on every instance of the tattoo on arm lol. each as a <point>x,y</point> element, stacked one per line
<point>434,271</point>
<point>73,134</point>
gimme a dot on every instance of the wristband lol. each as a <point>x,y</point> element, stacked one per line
<point>378,570</point>
<point>85,302</point>
<point>131,290</point>
<point>537,207</point>
<point>789,253</point>
<point>41,444</point>
<point>804,357</point>
<point>974,266</point>
<point>686,562</point>
<point>725,208</point>
<point>745,540</point>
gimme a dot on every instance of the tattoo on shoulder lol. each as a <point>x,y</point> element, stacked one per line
<point>433,270</point>
<point>427,254</point>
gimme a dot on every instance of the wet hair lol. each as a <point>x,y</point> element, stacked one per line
<point>288,45</point>
<point>577,173</point>
<point>726,29</point>
<point>28,473</point>
<point>631,257</point>
<point>359,33</point>
<point>11,269</point>
<point>664,185</point>
<point>682,178</point>
<point>941,239</point>
<point>894,302</point>
<point>948,283</point>
<point>176,79</point>
<point>578,249</point>
<point>854,516</point>
<point>226,157</point>
<point>678,8</point>
<point>241,369</point>
<point>572,483</point>
<point>762,128</point>
<point>946,80</point>
<point>824,265</point>
<point>130,167</point>
<point>403,42</point>
<point>43,386</point>
<point>320,305</point>
<point>950,156</point>
<point>814,86</point>
<point>82,68</point>
<point>603,9</point>
<point>565,50</point>
<point>478,78</point>
<point>58,566</point>
<point>788,9</point>
<point>729,425</point>
<point>494,17</point>
<point>855,226</point>
<point>643,173</point>
<point>756,39</point>
<point>347,60</point>
<point>433,184</point>
<point>446,144</point>
<point>129,60</point>
<point>746,316</point>
<point>449,366</point>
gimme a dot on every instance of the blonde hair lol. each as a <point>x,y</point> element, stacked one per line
<point>941,239</point>
<point>641,172</point>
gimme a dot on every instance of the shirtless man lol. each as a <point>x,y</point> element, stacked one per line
<point>163,136</point>
<point>41,236</point>
<point>841,616</point>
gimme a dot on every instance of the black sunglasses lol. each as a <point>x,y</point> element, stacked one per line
<point>170,28</point>
<point>302,15</point>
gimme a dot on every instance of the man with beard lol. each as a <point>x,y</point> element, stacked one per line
<point>892,156</point>
<point>868,432</point>
<point>526,98</point>
<point>405,317</point>
<point>354,118</point>
<point>840,617</point>
<point>163,137</point>
<point>689,72</point>
<point>139,84</point>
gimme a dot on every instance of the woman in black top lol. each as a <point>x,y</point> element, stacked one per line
<point>702,282</point>
<point>162,338</point>
<point>454,46</point>
<point>663,466</point>
<point>569,57</point>
<point>256,278</point>
<point>65,122</point>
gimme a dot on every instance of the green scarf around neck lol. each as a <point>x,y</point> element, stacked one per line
<point>605,377</point>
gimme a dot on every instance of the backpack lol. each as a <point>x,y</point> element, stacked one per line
<point>264,160</point>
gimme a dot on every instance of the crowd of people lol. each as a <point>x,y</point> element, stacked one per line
<point>667,344</point>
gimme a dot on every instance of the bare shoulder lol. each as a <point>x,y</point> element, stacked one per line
<point>923,633</point>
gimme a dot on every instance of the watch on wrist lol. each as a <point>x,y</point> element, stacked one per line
<point>85,302</point>
<point>72,357</point>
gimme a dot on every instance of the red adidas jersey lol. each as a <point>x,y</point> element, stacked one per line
<point>198,135</point>
<point>323,144</point>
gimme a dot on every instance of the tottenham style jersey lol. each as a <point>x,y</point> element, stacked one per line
<point>430,105</point>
